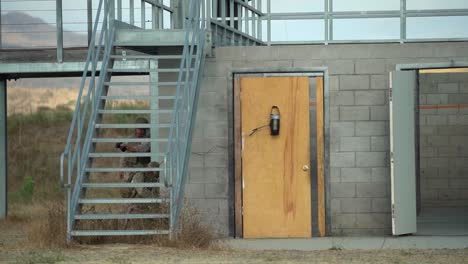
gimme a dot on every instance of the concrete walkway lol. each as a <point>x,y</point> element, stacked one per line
<point>363,243</point>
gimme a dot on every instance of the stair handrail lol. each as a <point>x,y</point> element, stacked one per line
<point>77,112</point>
<point>72,151</point>
<point>178,148</point>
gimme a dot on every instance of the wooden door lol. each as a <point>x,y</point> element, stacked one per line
<point>275,179</point>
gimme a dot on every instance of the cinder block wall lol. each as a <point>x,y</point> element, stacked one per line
<point>359,176</point>
<point>444,139</point>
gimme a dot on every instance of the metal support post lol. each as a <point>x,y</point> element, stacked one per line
<point>269,22</point>
<point>59,31</point>
<point>326,16</point>
<point>153,65</point>
<point>143,14</point>
<point>0,24</point>
<point>111,14</point>
<point>3,150</point>
<point>90,20</point>
<point>402,20</point>
<point>119,10</point>
<point>132,12</point>
<point>330,20</point>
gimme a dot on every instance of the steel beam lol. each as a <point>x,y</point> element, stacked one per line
<point>3,150</point>
<point>59,31</point>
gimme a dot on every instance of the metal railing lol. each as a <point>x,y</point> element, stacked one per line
<point>185,107</point>
<point>252,22</point>
<point>157,19</point>
<point>79,136</point>
<point>235,22</point>
<point>329,17</point>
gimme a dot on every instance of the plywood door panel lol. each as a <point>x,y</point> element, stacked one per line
<point>276,189</point>
<point>320,156</point>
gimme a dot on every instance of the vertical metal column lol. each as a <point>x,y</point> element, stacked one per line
<point>269,22</point>
<point>154,79</point>
<point>154,17</point>
<point>119,10</point>
<point>3,150</point>
<point>143,14</point>
<point>326,20</point>
<point>132,12</point>
<point>402,20</point>
<point>161,16</point>
<point>0,24</point>
<point>259,21</point>
<point>90,20</point>
<point>330,20</point>
<point>111,15</point>
<point>59,31</point>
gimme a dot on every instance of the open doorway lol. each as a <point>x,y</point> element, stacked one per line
<point>442,152</point>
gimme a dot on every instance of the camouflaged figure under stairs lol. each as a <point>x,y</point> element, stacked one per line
<point>138,177</point>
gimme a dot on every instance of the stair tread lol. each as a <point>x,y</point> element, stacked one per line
<point>120,200</point>
<point>122,184</point>
<point>133,70</point>
<point>128,140</point>
<point>160,125</point>
<point>117,232</point>
<point>167,97</point>
<point>167,70</point>
<point>142,83</point>
<point>119,216</point>
<point>136,97</point>
<point>120,155</point>
<point>118,111</point>
<point>122,169</point>
<point>146,57</point>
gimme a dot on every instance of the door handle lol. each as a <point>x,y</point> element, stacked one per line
<point>305,168</point>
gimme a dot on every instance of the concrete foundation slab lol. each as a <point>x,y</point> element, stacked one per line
<point>351,243</point>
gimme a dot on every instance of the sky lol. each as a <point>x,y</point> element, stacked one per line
<point>293,30</point>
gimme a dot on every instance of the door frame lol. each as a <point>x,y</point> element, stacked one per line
<point>235,186</point>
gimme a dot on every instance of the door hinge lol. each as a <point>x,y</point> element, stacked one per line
<point>393,210</point>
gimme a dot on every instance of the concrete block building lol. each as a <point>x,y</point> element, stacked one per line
<point>305,119</point>
<point>358,156</point>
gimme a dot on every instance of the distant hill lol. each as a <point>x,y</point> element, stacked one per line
<point>25,24</point>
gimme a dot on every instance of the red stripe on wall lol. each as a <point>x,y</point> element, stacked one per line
<point>454,106</point>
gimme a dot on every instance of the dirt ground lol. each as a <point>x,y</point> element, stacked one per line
<point>14,249</point>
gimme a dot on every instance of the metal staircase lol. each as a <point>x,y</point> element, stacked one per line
<point>88,165</point>
<point>167,64</point>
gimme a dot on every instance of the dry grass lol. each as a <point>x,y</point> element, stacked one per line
<point>37,136</point>
<point>192,232</point>
<point>27,100</point>
<point>49,231</point>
